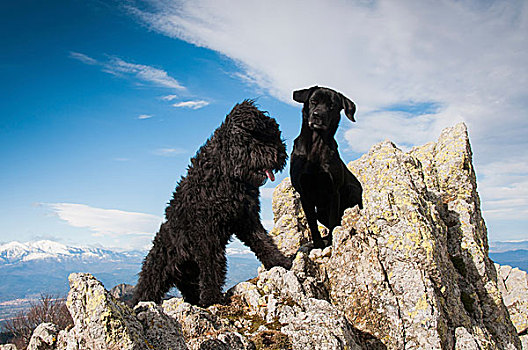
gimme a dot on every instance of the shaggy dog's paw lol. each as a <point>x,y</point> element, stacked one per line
<point>286,263</point>
<point>209,300</point>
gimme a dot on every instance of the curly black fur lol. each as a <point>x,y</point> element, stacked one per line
<point>218,197</point>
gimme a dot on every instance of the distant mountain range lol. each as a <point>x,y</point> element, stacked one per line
<point>514,254</point>
<point>30,269</point>
<point>499,247</point>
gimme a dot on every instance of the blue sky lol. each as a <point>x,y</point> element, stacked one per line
<point>103,102</point>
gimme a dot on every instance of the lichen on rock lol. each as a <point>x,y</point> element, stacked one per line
<point>100,321</point>
<point>290,230</point>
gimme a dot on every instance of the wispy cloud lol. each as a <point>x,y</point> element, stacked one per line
<point>169,152</point>
<point>83,58</point>
<point>145,116</point>
<point>142,72</point>
<point>191,104</point>
<point>468,58</point>
<point>106,222</point>
<point>121,68</point>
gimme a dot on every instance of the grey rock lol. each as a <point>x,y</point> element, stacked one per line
<point>206,328</point>
<point>290,230</point>
<point>8,347</point>
<point>513,284</point>
<point>123,292</point>
<point>464,340</point>
<point>44,337</point>
<point>100,321</point>
<point>309,323</point>
<point>160,330</point>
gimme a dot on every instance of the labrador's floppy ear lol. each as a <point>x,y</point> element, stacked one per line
<point>301,96</point>
<point>349,107</point>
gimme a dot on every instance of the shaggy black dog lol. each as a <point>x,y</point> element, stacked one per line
<point>218,197</point>
<point>325,184</point>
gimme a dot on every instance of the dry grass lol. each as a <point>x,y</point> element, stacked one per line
<point>46,309</point>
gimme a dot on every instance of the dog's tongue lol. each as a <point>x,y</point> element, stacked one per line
<point>270,175</point>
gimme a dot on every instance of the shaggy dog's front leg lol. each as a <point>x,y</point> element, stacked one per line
<point>212,276</point>
<point>264,248</point>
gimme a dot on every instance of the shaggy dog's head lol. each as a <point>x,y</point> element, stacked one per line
<point>322,107</point>
<point>256,149</point>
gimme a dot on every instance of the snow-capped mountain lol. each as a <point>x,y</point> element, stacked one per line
<point>16,252</point>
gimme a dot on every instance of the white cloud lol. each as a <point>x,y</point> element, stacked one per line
<point>191,104</point>
<point>169,97</point>
<point>504,189</point>
<point>169,152</point>
<point>411,130</point>
<point>118,67</point>
<point>266,192</point>
<point>468,57</point>
<point>378,52</point>
<point>106,222</point>
<point>145,116</point>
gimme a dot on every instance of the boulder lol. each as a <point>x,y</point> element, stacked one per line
<point>123,292</point>
<point>100,321</point>
<point>44,337</point>
<point>8,347</point>
<point>290,230</point>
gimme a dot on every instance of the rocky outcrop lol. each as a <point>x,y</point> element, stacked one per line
<point>409,271</point>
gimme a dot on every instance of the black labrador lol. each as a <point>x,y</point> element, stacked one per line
<point>317,172</point>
